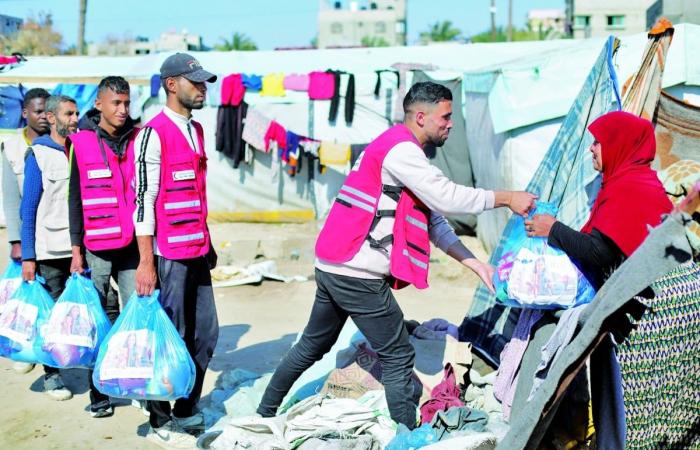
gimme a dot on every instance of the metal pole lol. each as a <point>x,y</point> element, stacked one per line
<point>493,20</point>
<point>510,20</point>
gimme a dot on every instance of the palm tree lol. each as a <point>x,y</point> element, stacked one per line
<point>440,32</point>
<point>239,41</point>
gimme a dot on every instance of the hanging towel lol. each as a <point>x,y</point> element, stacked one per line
<point>273,85</point>
<point>155,85</point>
<point>275,132</point>
<point>321,85</point>
<point>254,129</point>
<point>334,153</point>
<point>253,83</point>
<point>232,90</point>
<point>296,82</point>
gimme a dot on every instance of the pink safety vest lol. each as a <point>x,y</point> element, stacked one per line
<point>181,205</point>
<point>355,213</point>
<point>106,189</point>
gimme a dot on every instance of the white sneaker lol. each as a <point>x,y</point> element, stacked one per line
<point>23,367</point>
<point>171,436</point>
<point>54,388</point>
<point>192,424</point>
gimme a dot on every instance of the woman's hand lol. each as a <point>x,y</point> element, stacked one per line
<point>482,270</point>
<point>540,225</point>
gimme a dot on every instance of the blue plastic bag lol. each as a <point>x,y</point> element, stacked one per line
<point>10,281</point>
<point>76,328</point>
<point>143,356</point>
<point>407,440</point>
<point>531,274</point>
<point>23,318</point>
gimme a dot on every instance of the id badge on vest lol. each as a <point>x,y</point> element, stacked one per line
<point>99,173</point>
<point>182,175</point>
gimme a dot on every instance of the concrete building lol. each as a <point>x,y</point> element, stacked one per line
<point>677,11</point>
<point>599,18</point>
<point>9,25</point>
<point>357,23</point>
<point>170,41</point>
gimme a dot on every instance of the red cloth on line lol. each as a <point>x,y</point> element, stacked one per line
<point>275,132</point>
<point>443,396</point>
<point>631,196</point>
<point>232,90</point>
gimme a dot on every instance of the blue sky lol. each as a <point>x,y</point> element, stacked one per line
<point>270,23</point>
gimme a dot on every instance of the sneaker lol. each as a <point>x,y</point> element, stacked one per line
<point>171,436</point>
<point>141,404</point>
<point>193,424</point>
<point>23,367</point>
<point>54,387</point>
<point>101,409</point>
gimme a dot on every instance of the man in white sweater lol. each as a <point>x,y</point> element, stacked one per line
<point>376,238</point>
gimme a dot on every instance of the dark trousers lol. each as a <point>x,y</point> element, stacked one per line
<point>120,265</point>
<point>56,273</point>
<point>373,308</point>
<point>187,296</point>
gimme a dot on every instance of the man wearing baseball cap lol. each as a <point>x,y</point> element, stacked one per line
<point>170,221</point>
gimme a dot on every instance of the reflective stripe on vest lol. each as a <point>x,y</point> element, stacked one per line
<point>356,202</point>
<point>185,237</point>
<point>102,231</point>
<point>181,205</point>
<point>415,261</point>
<point>100,201</point>
<point>417,223</point>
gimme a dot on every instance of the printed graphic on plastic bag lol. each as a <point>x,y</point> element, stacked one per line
<point>143,357</point>
<point>531,274</point>
<point>70,323</point>
<point>25,315</point>
<point>9,283</point>
<point>76,328</point>
<point>18,321</point>
<point>129,355</point>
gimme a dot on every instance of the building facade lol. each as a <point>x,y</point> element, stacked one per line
<point>9,25</point>
<point>677,11</point>
<point>361,23</point>
<point>599,18</point>
<point>170,41</point>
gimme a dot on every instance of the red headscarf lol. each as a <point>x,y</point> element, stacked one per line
<point>631,196</point>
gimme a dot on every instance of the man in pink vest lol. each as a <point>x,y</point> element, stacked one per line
<point>377,237</point>
<point>101,204</point>
<point>171,205</point>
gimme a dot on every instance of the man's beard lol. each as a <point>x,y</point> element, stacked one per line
<point>62,128</point>
<point>437,141</point>
<point>191,104</point>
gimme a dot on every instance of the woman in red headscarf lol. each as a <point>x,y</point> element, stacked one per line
<point>631,198</point>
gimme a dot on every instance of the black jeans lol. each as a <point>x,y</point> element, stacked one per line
<point>373,308</point>
<point>56,272</point>
<point>187,297</point>
<point>120,265</point>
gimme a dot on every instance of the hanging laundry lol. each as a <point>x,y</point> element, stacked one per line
<point>253,83</point>
<point>355,151</point>
<point>311,149</point>
<point>378,84</point>
<point>11,98</point>
<point>155,85</point>
<point>349,98</point>
<point>254,128</point>
<point>213,98</point>
<point>296,82</point>
<point>232,90</point>
<point>292,154</point>
<point>321,86</point>
<point>275,132</point>
<point>334,153</point>
<point>443,396</point>
<point>273,85</point>
<point>229,131</point>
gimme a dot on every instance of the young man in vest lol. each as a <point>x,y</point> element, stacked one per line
<point>46,249</point>
<point>13,151</point>
<point>377,237</point>
<point>171,223</point>
<point>101,204</point>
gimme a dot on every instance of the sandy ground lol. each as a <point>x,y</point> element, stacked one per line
<point>257,326</point>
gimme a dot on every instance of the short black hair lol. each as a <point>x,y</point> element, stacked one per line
<point>118,85</point>
<point>426,92</point>
<point>34,93</point>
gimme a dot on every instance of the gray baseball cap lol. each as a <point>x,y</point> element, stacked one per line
<point>182,64</point>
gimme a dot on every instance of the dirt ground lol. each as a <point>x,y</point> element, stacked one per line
<point>257,326</point>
